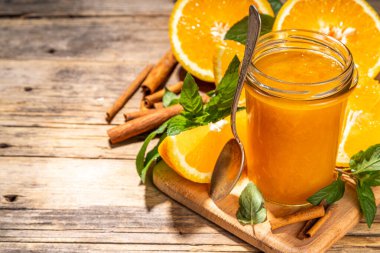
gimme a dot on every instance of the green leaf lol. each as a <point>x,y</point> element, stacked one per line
<point>276,5</point>
<point>367,202</point>
<point>238,32</point>
<point>366,161</point>
<point>140,158</point>
<point>190,98</point>
<point>330,193</point>
<point>374,179</point>
<point>266,24</point>
<point>251,209</point>
<point>152,156</point>
<point>169,98</point>
<point>220,104</point>
<point>178,124</point>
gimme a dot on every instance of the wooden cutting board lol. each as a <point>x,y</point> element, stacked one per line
<point>345,214</point>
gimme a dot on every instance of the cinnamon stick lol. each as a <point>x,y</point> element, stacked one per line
<point>145,123</point>
<point>142,106</point>
<point>302,215</point>
<point>160,73</point>
<point>158,95</point>
<point>142,124</point>
<point>127,94</point>
<point>302,234</point>
<point>315,228</point>
<point>158,105</point>
<point>138,114</point>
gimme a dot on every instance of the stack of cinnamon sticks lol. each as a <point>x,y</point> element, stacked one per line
<point>151,80</point>
<point>314,217</point>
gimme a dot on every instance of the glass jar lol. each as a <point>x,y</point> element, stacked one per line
<point>296,93</point>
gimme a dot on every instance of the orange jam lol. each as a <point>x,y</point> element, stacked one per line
<point>294,122</point>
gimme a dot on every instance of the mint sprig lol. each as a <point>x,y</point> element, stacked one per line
<point>365,171</point>
<point>251,206</point>
<point>195,113</point>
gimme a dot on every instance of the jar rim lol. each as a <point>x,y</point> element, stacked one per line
<point>299,39</point>
<point>343,73</point>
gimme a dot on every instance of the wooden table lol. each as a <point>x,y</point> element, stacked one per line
<point>62,188</point>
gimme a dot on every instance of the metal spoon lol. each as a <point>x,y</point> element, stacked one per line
<point>231,160</point>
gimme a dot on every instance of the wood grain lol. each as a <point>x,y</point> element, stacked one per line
<point>62,63</point>
<point>345,214</point>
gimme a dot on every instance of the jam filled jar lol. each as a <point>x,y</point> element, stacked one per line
<point>296,93</point>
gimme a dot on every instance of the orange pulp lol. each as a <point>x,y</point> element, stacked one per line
<point>292,145</point>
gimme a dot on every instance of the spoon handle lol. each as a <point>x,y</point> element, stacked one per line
<point>254,27</point>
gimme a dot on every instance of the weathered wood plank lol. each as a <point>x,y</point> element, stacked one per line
<point>38,8</point>
<point>101,247</point>
<point>128,39</point>
<point>80,8</point>
<point>33,92</point>
<point>101,203</point>
<point>77,141</point>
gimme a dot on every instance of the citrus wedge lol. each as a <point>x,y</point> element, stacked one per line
<point>354,22</point>
<point>196,26</point>
<point>193,153</point>
<point>362,125</point>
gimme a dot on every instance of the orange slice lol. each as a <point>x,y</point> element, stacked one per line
<point>354,22</point>
<point>362,126</point>
<point>196,26</point>
<point>193,153</point>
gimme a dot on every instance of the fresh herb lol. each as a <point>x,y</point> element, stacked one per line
<point>194,113</point>
<point>251,206</point>
<point>169,98</point>
<point>365,171</point>
<point>276,5</point>
<point>330,193</point>
<point>238,32</point>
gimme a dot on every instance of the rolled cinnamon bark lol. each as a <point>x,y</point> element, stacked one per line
<point>142,124</point>
<point>160,73</point>
<point>302,215</point>
<point>137,114</point>
<point>158,105</point>
<point>157,96</point>
<point>315,228</point>
<point>127,94</point>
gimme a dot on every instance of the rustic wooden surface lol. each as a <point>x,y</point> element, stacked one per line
<point>62,188</point>
<point>345,214</point>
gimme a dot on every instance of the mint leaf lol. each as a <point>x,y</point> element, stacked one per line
<point>140,158</point>
<point>238,32</point>
<point>266,24</point>
<point>220,104</point>
<point>276,5</point>
<point>152,156</point>
<point>366,161</point>
<point>251,206</point>
<point>330,193</point>
<point>373,179</point>
<point>169,98</point>
<point>367,202</point>
<point>190,99</point>
<point>178,124</point>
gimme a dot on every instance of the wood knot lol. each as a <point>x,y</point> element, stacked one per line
<point>10,197</point>
<point>27,88</point>
<point>51,51</point>
<point>5,145</point>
